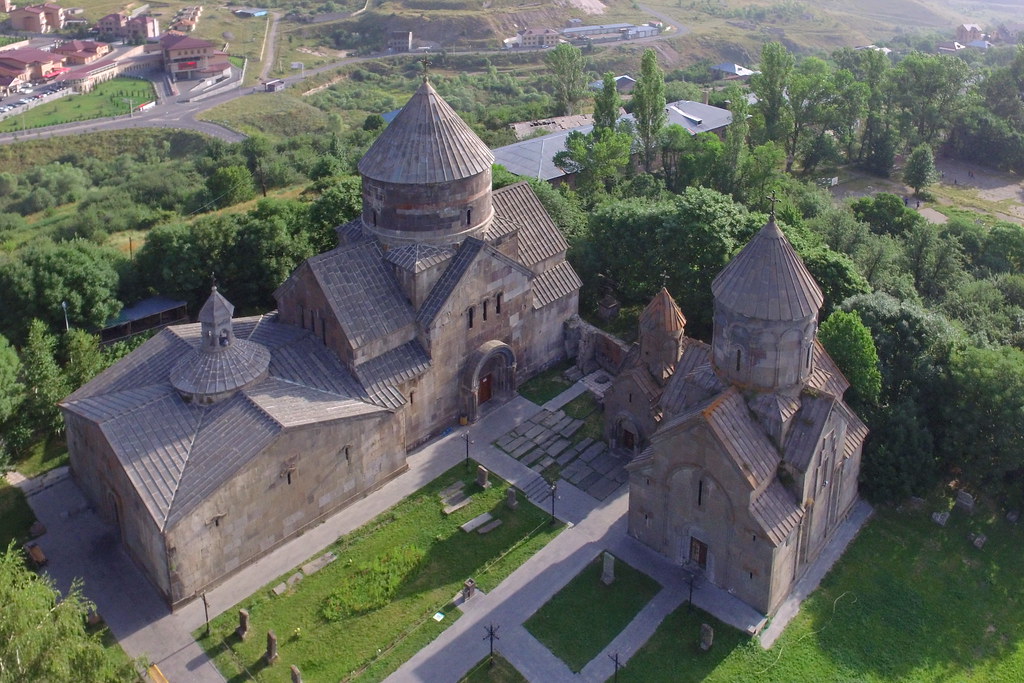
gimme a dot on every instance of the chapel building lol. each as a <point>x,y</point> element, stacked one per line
<point>215,442</point>
<point>751,456</point>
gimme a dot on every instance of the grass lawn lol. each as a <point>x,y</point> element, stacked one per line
<point>106,99</point>
<point>43,456</point>
<point>585,407</point>
<point>500,672</point>
<point>546,385</point>
<point>909,601</point>
<point>391,576</point>
<point>15,515</point>
<point>278,115</point>
<point>583,617</point>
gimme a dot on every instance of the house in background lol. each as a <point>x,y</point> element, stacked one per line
<point>731,72</point>
<point>624,84</point>
<point>965,33</point>
<point>540,37</point>
<point>77,52</point>
<point>400,41</point>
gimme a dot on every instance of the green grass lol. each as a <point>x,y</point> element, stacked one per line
<point>371,644</point>
<point>279,115</point>
<point>583,617</point>
<point>43,456</point>
<point>585,407</point>
<point>15,515</point>
<point>498,672</point>
<point>106,99</point>
<point>909,601</point>
<point>546,385</point>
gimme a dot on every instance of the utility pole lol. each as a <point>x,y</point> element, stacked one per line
<point>492,633</point>
<point>131,109</point>
<point>617,665</point>
<point>465,437</point>
<point>554,490</point>
<point>206,608</point>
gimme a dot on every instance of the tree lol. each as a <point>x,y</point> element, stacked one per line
<point>607,103</point>
<point>44,379</point>
<point>42,633</point>
<point>849,343</point>
<point>12,391</point>
<point>339,203</point>
<point>887,214</point>
<point>920,169</point>
<point>649,106</point>
<point>258,151</point>
<point>374,122</point>
<point>770,86</point>
<point>568,77</point>
<point>597,158</point>
<point>230,185</point>
<point>83,358</point>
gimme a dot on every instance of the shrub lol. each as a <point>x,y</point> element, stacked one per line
<point>372,584</point>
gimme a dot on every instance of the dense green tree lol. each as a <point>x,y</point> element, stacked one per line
<point>607,103</point>
<point>934,260</point>
<point>690,159</point>
<point>648,106</point>
<point>597,159</point>
<point>230,185</point>
<point>568,76</point>
<point>887,214</point>
<point>983,428</point>
<point>920,170</point>
<point>42,632</point>
<point>12,391</point>
<point>757,171</point>
<point>736,143</point>
<point>770,86</point>
<point>849,343</point>
<point>926,94</point>
<point>45,383</point>
<point>835,273</point>
<point>374,122</point>
<point>810,92</point>
<point>899,458</point>
<point>259,152</point>
<point>340,202</point>
<point>82,357</point>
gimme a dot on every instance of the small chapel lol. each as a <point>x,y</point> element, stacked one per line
<point>217,441</point>
<point>746,457</point>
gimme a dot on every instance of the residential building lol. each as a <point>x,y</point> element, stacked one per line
<point>731,72</point>
<point>186,58</point>
<point>400,41</point>
<point>540,37</point>
<point>624,84</point>
<point>32,64</point>
<point>965,33</point>
<point>76,52</point>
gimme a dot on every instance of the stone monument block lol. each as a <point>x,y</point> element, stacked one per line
<point>965,501</point>
<point>296,674</point>
<point>608,570</point>
<point>483,477</point>
<point>511,501</point>
<point>707,637</point>
<point>468,589</point>
<point>271,655</point>
<point>243,623</point>
<point>979,540</point>
<point>1012,516</point>
<point>940,518</point>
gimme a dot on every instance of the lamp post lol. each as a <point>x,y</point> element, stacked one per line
<point>554,490</point>
<point>64,305</point>
<point>618,664</point>
<point>492,634</point>
<point>465,437</point>
<point>689,605</point>
<point>206,608</point>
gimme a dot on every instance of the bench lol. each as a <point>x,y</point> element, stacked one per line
<point>35,554</point>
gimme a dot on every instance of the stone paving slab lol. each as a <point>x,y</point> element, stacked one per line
<point>533,456</point>
<point>581,474</point>
<point>557,447</point>
<point>318,564</point>
<point>515,444</point>
<point>604,463</point>
<point>570,428</point>
<point>547,462</point>
<point>603,488</point>
<point>476,522</point>
<point>525,448</point>
<point>565,458</point>
<point>589,480</point>
<point>593,450</point>
<point>535,431</point>
<point>489,527</point>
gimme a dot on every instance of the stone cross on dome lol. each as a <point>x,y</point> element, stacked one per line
<point>774,200</point>
<point>426,68</point>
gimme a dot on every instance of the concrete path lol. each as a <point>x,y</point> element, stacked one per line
<point>848,530</point>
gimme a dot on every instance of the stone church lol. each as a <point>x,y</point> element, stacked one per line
<point>750,455</point>
<point>215,442</point>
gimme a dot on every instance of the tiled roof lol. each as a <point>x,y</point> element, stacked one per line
<point>416,258</point>
<point>776,511</point>
<point>663,313</point>
<point>804,436</point>
<point>291,405</point>
<point>741,437</point>
<point>539,237</point>
<point>350,233</point>
<point>646,383</point>
<point>826,376</point>
<point>381,373</point>
<point>363,294</point>
<point>552,285</point>
<point>210,372</point>
<point>767,280</point>
<point>458,266</point>
<point>426,143</point>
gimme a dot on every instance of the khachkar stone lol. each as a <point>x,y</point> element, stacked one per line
<point>271,655</point>
<point>482,477</point>
<point>707,637</point>
<point>243,623</point>
<point>468,589</point>
<point>511,501</point>
<point>608,570</point>
<point>296,674</point>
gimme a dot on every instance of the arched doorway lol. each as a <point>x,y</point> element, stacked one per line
<point>490,375</point>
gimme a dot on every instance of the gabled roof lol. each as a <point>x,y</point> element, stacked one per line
<point>517,206</point>
<point>381,373</point>
<point>767,280</point>
<point>171,41</point>
<point>806,432</point>
<point>826,376</point>
<point>426,143</point>
<point>662,313</point>
<point>364,296</point>
<point>733,69</point>
<point>553,284</point>
<point>776,511</point>
<point>415,258</point>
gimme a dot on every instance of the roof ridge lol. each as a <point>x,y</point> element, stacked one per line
<point>203,414</point>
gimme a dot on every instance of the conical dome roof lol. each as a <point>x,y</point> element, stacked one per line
<point>216,308</point>
<point>663,313</point>
<point>767,280</point>
<point>426,143</point>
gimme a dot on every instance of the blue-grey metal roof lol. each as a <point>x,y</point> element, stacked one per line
<point>144,309</point>
<point>597,28</point>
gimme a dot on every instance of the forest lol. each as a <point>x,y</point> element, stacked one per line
<point>926,319</point>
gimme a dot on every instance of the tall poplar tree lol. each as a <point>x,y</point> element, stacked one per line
<point>568,76</point>
<point>607,104</point>
<point>649,106</point>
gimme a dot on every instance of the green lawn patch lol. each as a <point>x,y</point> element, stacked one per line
<point>909,601</point>
<point>500,671</point>
<point>15,515</point>
<point>363,615</point>
<point>583,617</point>
<point>585,407</point>
<point>42,456</point>
<point>106,99</point>
<point>546,385</point>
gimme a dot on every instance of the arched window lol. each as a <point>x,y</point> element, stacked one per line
<point>469,316</point>
<point>224,338</point>
<point>700,493</point>
<point>485,309</point>
<point>469,217</point>
<point>739,357</point>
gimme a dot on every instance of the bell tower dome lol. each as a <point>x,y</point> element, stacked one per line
<point>427,178</point>
<point>766,316</point>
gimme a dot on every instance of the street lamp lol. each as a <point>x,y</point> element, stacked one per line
<point>64,305</point>
<point>554,489</point>
<point>465,437</point>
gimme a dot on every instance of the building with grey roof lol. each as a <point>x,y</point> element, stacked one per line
<point>215,442</point>
<point>754,458</point>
